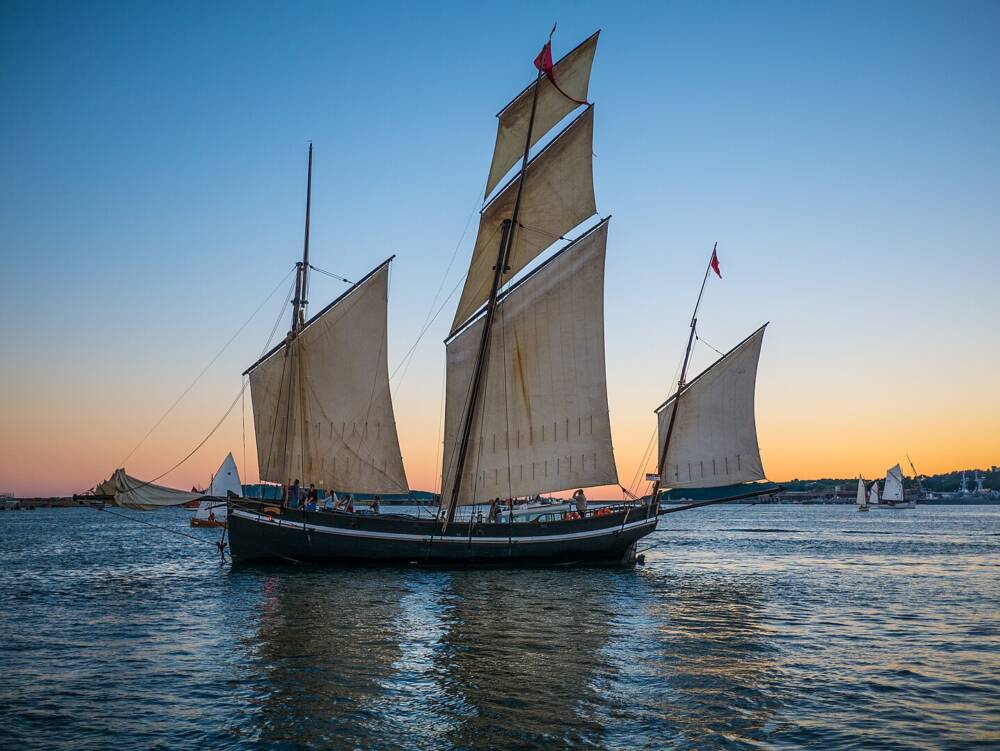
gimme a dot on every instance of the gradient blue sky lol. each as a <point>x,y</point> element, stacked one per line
<point>845,156</point>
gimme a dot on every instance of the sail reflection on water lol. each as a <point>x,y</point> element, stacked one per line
<point>327,647</point>
<point>523,661</point>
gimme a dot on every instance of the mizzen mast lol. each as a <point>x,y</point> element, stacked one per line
<point>661,464</point>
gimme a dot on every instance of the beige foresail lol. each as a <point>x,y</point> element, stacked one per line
<point>573,74</point>
<point>543,421</point>
<point>558,195</point>
<point>322,409</point>
<point>714,439</point>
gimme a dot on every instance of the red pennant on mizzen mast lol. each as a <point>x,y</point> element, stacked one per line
<point>714,263</point>
<point>544,63</point>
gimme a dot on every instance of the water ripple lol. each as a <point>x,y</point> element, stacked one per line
<point>764,627</point>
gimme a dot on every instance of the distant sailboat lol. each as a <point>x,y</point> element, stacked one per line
<point>211,511</point>
<point>893,496</point>
<point>873,494</point>
<point>862,498</point>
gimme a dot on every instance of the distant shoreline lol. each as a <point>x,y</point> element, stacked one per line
<point>28,504</point>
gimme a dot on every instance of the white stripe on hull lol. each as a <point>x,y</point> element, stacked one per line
<point>463,540</point>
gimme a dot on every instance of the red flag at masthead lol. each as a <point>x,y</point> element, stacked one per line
<point>714,263</point>
<point>544,63</point>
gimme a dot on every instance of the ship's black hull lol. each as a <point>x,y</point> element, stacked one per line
<point>319,536</point>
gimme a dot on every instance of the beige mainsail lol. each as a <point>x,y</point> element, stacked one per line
<point>322,408</point>
<point>573,74</point>
<point>543,421</point>
<point>558,195</point>
<point>714,438</point>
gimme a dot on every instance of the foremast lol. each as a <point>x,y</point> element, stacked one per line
<point>321,401</point>
<point>301,300</point>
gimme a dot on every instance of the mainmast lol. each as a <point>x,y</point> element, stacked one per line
<point>302,268</point>
<point>501,267</point>
<point>654,498</point>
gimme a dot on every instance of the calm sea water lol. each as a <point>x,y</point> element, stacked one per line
<point>748,627</point>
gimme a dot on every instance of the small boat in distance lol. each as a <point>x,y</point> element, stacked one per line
<point>225,484</point>
<point>862,498</point>
<point>893,496</point>
<point>873,494</point>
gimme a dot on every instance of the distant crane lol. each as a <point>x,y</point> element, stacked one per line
<point>920,483</point>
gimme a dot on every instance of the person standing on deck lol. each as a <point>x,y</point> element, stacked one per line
<point>581,503</point>
<point>294,494</point>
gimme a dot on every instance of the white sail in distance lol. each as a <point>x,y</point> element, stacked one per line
<point>543,421</point>
<point>572,72</point>
<point>558,195</point>
<point>322,408</point>
<point>714,437</point>
<point>225,481</point>
<point>873,493</point>
<point>893,490</point>
<point>862,498</point>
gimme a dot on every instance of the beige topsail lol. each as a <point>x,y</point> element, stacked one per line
<point>573,74</point>
<point>714,438</point>
<point>558,195</point>
<point>543,423</point>
<point>321,402</point>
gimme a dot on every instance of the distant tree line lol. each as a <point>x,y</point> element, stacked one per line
<point>943,483</point>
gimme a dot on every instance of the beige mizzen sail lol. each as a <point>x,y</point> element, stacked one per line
<point>543,421</point>
<point>558,195</point>
<point>322,408</point>
<point>714,438</point>
<point>573,74</point>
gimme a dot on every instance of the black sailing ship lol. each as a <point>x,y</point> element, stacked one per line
<point>526,401</point>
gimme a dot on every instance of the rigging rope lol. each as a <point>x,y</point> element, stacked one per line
<point>634,485</point>
<point>438,477</point>
<point>430,321</point>
<point>156,526</point>
<point>506,397</point>
<point>204,370</point>
<point>637,478</point>
<point>468,406</point>
<point>244,383</point>
<point>699,339</point>
<point>331,274</point>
